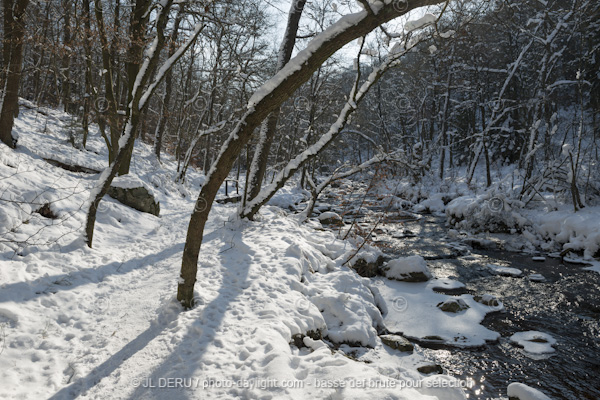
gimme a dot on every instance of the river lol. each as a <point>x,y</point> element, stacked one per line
<point>566,305</point>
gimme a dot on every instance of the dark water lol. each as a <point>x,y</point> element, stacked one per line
<point>566,305</point>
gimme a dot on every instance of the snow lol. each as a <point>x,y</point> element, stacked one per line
<point>422,22</point>
<point>400,268</point>
<point>128,182</point>
<point>411,309</point>
<point>329,215</point>
<point>537,278</point>
<point>534,342</point>
<point>503,270</point>
<point>524,392</point>
<point>576,231</point>
<point>104,322</point>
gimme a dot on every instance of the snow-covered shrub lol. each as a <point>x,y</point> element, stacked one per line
<point>486,213</point>
<point>348,307</point>
<point>576,231</point>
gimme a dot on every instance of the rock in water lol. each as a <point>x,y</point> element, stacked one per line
<point>520,391</point>
<point>453,305</point>
<point>397,342</point>
<point>407,269</point>
<point>487,300</point>
<point>430,369</point>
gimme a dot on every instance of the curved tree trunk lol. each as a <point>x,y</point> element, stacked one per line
<point>266,99</point>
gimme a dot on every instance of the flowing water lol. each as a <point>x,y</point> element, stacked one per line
<point>566,305</point>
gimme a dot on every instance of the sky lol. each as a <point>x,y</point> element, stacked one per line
<point>280,9</point>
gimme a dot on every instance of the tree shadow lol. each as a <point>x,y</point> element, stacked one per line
<point>186,356</point>
<point>53,284</point>
<point>106,368</point>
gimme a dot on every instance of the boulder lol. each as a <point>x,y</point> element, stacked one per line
<point>132,192</point>
<point>407,269</point>
<point>368,269</point>
<point>453,305</point>
<point>397,342</point>
<point>331,218</point>
<point>487,300</point>
<point>430,369</point>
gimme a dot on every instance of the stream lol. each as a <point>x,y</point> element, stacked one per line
<point>566,305</point>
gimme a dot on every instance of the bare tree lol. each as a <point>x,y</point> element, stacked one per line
<point>12,53</point>
<point>265,100</point>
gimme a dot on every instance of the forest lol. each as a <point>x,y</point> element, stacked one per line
<point>367,198</point>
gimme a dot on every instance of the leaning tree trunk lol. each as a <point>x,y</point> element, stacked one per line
<point>14,33</point>
<point>267,98</point>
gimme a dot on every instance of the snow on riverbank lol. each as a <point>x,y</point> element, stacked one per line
<point>550,225</point>
<point>411,308</point>
<point>104,323</point>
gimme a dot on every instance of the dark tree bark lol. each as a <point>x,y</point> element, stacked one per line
<point>14,34</point>
<point>135,53</point>
<point>166,100</point>
<point>140,99</point>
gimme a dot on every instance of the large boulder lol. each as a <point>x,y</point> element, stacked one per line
<point>397,342</point>
<point>132,192</point>
<point>407,269</point>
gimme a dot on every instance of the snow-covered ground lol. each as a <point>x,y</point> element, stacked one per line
<point>104,323</point>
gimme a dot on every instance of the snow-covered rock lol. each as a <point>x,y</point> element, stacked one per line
<point>331,218</point>
<point>578,231</point>
<point>486,213</point>
<point>521,391</point>
<point>407,269</point>
<point>487,300</point>
<point>453,305</point>
<point>534,342</point>
<point>504,271</point>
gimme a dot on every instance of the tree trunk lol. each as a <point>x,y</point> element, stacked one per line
<point>270,96</point>
<point>14,33</point>
<point>260,159</point>
<point>140,98</point>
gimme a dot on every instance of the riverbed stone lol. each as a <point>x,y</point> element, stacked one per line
<point>453,305</point>
<point>331,218</point>
<point>487,300</point>
<point>368,269</point>
<point>430,369</point>
<point>397,342</point>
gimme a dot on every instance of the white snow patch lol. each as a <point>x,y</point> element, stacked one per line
<point>534,342</point>
<point>524,392</point>
<point>411,308</point>
<point>502,270</point>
